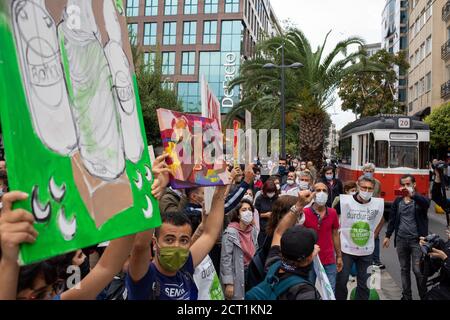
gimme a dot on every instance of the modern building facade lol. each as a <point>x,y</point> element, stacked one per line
<point>372,48</point>
<point>195,37</point>
<point>395,39</point>
<point>429,55</point>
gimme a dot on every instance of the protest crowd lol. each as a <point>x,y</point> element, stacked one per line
<point>285,226</point>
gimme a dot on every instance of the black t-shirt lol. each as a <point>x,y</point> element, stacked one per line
<point>302,291</point>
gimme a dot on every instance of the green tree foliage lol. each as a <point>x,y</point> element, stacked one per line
<point>439,122</point>
<point>309,90</point>
<point>372,90</point>
<point>152,94</point>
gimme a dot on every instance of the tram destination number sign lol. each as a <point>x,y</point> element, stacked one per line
<point>404,123</point>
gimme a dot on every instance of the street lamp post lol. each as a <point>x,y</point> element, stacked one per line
<point>283,68</point>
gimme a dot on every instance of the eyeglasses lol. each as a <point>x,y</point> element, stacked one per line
<point>45,293</point>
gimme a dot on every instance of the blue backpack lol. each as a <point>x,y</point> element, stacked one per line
<point>271,288</point>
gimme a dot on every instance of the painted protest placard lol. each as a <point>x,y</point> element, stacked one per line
<point>195,148</point>
<point>72,123</point>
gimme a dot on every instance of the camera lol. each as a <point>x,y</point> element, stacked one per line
<point>432,241</point>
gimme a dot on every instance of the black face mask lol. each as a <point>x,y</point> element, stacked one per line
<point>85,268</point>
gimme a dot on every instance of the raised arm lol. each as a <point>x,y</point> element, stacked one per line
<point>211,229</point>
<point>304,197</point>
<point>16,227</point>
<point>140,255</point>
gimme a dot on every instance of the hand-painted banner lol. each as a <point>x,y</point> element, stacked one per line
<point>195,149</point>
<point>72,123</point>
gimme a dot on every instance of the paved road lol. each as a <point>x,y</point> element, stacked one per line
<point>437,224</point>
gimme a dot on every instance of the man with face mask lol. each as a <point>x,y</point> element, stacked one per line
<point>291,185</point>
<point>369,172</point>
<point>360,216</point>
<point>325,222</point>
<point>169,275</point>
<point>409,221</point>
<point>194,209</point>
<point>282,170</point>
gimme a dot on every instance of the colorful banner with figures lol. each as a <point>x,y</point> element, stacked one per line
<point>195,148</point>
<point>207,281</point>
<point>358,223</point>
<point>72,123</point>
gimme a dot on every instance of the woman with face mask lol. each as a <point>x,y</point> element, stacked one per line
<point>263,204</point>
<point>239,244</point>
<point>334,185</point>
<point>351,188</point>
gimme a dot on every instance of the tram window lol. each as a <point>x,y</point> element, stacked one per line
<point>361,150</point>
<point>371,148</point>
<point>403,155</point>
<point>346,150</point>
<point>424,154</point>
<point>381,154</point>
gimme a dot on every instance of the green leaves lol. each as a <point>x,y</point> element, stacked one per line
<point>368,87</point>
<point>439,122</point>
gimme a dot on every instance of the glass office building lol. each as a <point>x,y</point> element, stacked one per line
<point>200,37</point>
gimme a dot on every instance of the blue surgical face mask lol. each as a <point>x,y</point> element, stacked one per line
<point>368,175</point>
<point>329,177</point>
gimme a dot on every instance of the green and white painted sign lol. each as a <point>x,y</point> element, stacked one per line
<point>72,123</point>
<point>358,223</point>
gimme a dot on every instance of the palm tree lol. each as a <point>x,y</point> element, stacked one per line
<point>309,90</point>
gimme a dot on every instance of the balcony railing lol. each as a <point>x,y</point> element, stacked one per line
<point>445,90</point>
<point>446,11</point>
<point>445,50</point>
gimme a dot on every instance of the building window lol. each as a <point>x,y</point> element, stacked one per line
<point>210,32</point>
<point>428,46</point>
<point>231,36</point>
<point>133,32</point>
<point>189,32</point>
<point>422,51</point>
<point>231,6</point>
<point>132,8</point>
<point>416,90</point>
<point>151,7</point>
<point>170,7</point>
<point>188,63</point>
<point>211,6</point>
<point>168,63</point>
<point>189,94</point>
<point>428,77</point>
<point>422,86</point>
<point>190,6</point>
<point>150,34</point>
<point>149,61</point>
<point>167,85</point>
<point>170,33</point>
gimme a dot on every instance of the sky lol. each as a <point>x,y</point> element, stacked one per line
<point>344,17</point>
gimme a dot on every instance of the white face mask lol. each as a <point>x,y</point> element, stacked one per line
<point>278,186</point>
<point>321,198</point>
<point>303,185</point>
<point>303,167</point>
<point>352,193</point>
<point>290,182</point>
<point>410,190</point>
<point>247,217</point>
<point>366,196</point>
<point>248,197</point>
<point>271,195</point>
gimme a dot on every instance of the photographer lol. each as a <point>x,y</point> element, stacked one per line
<point>437,258</point>
<point>438,192</point>
<point>409,221</point>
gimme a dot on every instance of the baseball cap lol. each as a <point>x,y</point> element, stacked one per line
<point>297,243</point>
